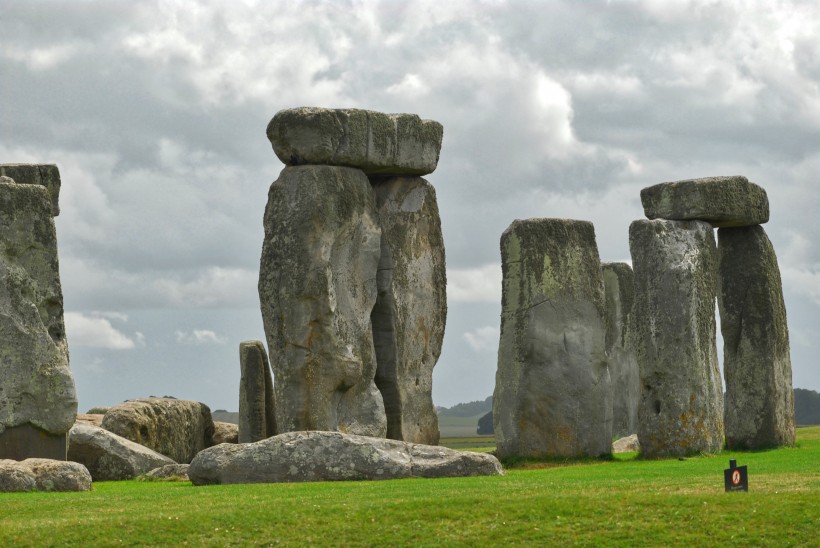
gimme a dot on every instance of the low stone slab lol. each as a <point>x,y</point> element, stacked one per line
<point>333,456</point>
<point>169,472</point>
<point>43,475</point>
<point>109,457</point>
<point>46,175</point>
<point>376,143</point>
<point>722,201</point>
<point>628,444</point>
<point>94,419</point>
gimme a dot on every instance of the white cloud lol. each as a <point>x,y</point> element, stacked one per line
<point>483,339</point>
<point>482,284</point>
<point>95,332</point>
<point>199,337</point>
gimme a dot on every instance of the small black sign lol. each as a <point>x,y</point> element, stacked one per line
<point>735,478</point>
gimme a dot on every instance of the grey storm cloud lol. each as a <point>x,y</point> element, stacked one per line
<point>155,113</point>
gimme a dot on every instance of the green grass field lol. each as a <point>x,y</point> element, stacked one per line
<point>624,501</point>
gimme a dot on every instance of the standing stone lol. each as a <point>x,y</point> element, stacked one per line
<point>681,406</point>
<point>619,287</point>
<point>46,175</point>
<point>317,287</point>
<point>756,361</point>
<point>38,403</point>
<point>552,391</point>
<point>411,308</point>
<point>257,420</point>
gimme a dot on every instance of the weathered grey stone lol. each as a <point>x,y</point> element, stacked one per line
<point>225,432</point>
<point>411,308</point>
<point>619,288</point>
<point>93,419</point>
<point>317,286</point>
<point>721,201</point>
<point>37,387</point>
<point>178,429</point>
<point>43,475</point>
<point>169,472</point>
<point>333,456</point>
<point>552,391</point>
<point>257,419</point>
<point>628,444</point>
<point>110,457</point>
<point>46,175</point>
<point>681,407</point>
<point>376,143</point>
<point>756,360</point>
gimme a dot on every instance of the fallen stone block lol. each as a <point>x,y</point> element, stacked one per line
<point>225,432</point>
<point>169,472</point>
<point>721,201</point>
<point>43,475</point>
<point>333,456</point>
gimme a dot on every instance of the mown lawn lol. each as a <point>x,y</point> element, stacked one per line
<point>623,501</point>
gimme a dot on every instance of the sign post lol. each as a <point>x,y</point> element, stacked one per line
<point>735,478</point>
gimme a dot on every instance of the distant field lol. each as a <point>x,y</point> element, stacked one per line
<point>457,427</point>
<point>624,502</point>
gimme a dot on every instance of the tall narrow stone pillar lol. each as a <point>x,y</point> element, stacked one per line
<point>257,420</point>
<point>552,392</point>
<point>756,364</point>
<point>681,406</point>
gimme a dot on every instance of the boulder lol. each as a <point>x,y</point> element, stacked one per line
<point>756,360</point>
<point>93,419</point>
<point>681,406</point>
<point>257,419</point>
<point>376,143</point>
<point>169,472</point>
<point>225,432</point>
<point>623,366</point>
<point>317,287</point>
<point>628,444</point>
<point>333,456</point>
<point>552,391</point>
<point>46,175</point>
<point>178,429</point>
<point>109,457</point>
<point>43,475</point>
<point>37,397</point>
<point>411,308</point>
<point>721,201</point>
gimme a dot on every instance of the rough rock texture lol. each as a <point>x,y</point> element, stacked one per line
<point>89,418</point>
<point>225,432</point>
<point>629,444</point>
<point>333,456</point>
<point>317,286</point>
<point>43,475</point>
<point>169,472</point>
<point>721,201</point>
<point>178,429</point>
<point>552,390</point>
<point>110,457</point>
<point>623,366</point>
<point>681,407</point>
<point>756,361</point>
<point>411,308</point>
<point>46,175</point>
<point>376,143</point>
<point>37,387</point>
<point>257,419</point>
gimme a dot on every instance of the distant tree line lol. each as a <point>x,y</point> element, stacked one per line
<point>470,409</point>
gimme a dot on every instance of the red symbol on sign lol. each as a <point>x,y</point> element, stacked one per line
<point>735,477</point>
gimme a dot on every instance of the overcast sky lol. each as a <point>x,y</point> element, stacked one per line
<point>155,113</point>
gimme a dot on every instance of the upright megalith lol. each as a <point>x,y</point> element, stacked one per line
<point>317,287</point>
<point>257,419</point>
<point>619,289</point>
<point>756,359</point>
<point>411,308</point>
<point>38,402</point>
<point>720,201</point>
<point>552,393</point>
<point>46,175</point>
<point>681,406</point>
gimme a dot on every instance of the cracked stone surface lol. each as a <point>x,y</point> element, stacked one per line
<point>552,394</point>
<point>47,175</point>
<point>333,456</point>
<point>376,143</point>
